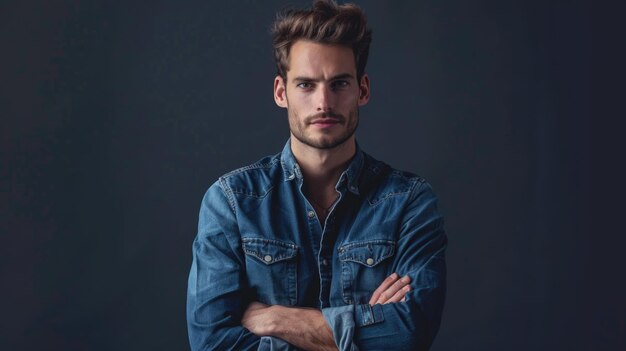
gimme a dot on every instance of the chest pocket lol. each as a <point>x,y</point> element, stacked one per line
<point>364,265</point>
<point>271,270</point>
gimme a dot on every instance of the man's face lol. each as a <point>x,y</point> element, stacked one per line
<point>321,94</point>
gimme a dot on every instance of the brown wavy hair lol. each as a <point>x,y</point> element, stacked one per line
<point>326,23</point>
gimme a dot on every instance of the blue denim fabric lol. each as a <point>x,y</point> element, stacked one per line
<point>260,239</point>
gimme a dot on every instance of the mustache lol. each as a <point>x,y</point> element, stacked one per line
<point>328,114</point>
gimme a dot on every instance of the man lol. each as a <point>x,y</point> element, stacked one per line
<point>320,247</point>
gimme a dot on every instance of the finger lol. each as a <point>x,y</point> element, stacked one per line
<point>383,286</point>
<point>400,295</point>
<point>393,289</point>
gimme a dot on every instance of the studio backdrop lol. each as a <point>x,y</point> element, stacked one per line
<point>117,116</point>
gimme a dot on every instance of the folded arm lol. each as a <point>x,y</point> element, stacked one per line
<point>216,294</point>
<point>306,328</point>
<point>217,301</point>
<point>412,324</point>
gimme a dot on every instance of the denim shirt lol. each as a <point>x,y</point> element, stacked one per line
<point>259,239</point>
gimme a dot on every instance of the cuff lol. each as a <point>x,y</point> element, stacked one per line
<point>367,314</point>
<point>270,343</point>
<point>343,320</point>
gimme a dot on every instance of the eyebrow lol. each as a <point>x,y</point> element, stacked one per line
<point>308,79</point>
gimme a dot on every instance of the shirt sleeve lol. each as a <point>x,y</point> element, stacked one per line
<point>413,324</point>
<point>216,293</point>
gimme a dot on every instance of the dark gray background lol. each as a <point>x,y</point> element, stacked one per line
<point>116,117</point>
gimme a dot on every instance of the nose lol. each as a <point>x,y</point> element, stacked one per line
<point>325,98</point>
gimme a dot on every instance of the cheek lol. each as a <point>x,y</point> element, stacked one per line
<point>300,105</point>
<point>350,99</point>
<point>304,100</point>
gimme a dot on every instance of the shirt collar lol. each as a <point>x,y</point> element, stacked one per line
<point>349,177</point>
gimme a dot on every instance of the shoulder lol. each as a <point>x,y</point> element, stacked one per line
<point>253,180</point>
<point>405,192</point>
<point>381,181</point>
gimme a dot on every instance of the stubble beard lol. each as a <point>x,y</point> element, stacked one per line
<point>300,130</point>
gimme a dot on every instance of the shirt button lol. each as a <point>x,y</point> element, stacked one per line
<point>311,214</point>
<point>369,261</point>
<point>325,262</point>
<point>267,258</point>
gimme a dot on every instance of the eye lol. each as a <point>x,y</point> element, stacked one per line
<point>304,85</point>
<point>338,84</point>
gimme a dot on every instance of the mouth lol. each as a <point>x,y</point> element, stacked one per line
<point>325,122</point>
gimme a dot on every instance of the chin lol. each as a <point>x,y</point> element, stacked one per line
<point>330,143</point>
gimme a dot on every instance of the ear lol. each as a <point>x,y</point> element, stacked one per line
<point>280,93</point>
<point>364,90</point>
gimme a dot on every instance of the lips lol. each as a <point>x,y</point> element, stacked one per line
<point>325,122</point>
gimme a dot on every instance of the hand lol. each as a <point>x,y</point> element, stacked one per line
<point>392,289</point>
<point>304,328</point>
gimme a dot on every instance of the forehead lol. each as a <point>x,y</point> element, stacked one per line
<point>317,60</point>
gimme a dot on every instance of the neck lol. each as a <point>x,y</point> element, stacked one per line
<point>321,168</point>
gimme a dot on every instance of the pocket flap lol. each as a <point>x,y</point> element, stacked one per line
<point>367,253</point>
<point>269,251</point>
